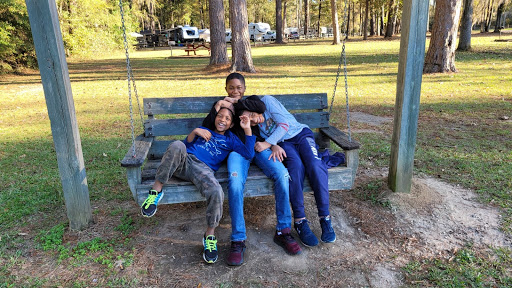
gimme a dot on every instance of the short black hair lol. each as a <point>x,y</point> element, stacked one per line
<point>252,104</point>
<point>229,109</point>
<point>235,75</point>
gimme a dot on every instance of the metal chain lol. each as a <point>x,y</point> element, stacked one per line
<point>343,58</point>
<point>131,80</point>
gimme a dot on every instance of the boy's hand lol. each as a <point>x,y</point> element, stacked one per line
<point>260,146</point>
<point>203,133</point>
<point>230,100</point>
<point>277,152</point>
<point>245,123</point>
<point>224,103</point>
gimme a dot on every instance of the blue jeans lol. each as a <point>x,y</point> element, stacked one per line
<point>238,168</point>
<point>302,159</point>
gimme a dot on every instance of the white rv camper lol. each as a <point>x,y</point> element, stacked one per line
<point>182,34</point>
<point>257,30</point>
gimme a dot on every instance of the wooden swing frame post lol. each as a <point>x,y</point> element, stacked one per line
<point>407,105</point>
<point>54,72</point>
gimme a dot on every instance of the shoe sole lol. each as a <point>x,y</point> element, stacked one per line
<point>146,215</point>
<point>238,264</point>
<point>210,261</point>
<point>329,241</point>
<point>309,246</point>
<point>286,250</point>
<point>305,243</point>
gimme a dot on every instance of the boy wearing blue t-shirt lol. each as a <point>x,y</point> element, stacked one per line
<point>196,159</point>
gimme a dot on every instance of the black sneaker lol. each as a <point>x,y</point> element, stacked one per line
<point>306,236</point>
<point>148,208</point>
<point>285,239</point>
<point>210,253</point>
<point>236,253</point>
<point>328,235</point>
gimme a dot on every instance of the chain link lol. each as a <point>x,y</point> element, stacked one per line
<point>131,80</point>
<point>343,59</point>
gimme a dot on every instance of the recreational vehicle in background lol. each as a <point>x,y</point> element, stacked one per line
<point>228,35</point>
<point>183,34</point>
<point>257,30</point>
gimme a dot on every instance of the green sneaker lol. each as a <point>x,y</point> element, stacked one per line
<point>148,208</point>
<point>210,253</point>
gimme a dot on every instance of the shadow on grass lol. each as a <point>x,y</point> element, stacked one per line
<point>31,184</point>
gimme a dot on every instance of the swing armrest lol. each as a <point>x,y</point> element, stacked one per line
<point>142,145</point>
<point>340,138</point>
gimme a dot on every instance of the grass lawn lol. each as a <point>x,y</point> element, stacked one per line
<point>463,135</point>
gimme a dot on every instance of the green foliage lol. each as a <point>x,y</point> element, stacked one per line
<point>373,193</point>
<point>88,28</point>
<point>127,225</point>
<point>93,27</point>
<point>16,47</point>
<point>466,268</point>
<point>52,239</point>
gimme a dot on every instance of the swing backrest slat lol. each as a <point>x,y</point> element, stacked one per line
<point>190,105</point>
<point>184,114</point>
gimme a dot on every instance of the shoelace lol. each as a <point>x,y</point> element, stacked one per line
<point>237,247</point>
<point>150,200</point>
<point>326,226</point>
<point>210,244</point>
<point>302,223</point>
<point>288,238</point>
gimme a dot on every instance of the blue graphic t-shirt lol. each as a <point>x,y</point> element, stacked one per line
<point>213,152</point>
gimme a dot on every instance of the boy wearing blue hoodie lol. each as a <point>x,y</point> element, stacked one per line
<point>196,159</point>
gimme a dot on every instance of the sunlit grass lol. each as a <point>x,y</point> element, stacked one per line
<point>461,137</point>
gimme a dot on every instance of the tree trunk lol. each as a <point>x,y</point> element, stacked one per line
<point>318,23</point>
<point>335,25</point>
<point>219,53</point>
<point>306,17</point>
<point>389,26</point>
<point>466,26</point>
<point>347,29</point>
<point>396,21</point>
<point>381,26</point>
<point>365,25</point>
<point>499,13</point>
<point>487,12</point>
<point>441,51</point>
<point>201,14</point>
<point>372,24</point>
<point>361,17</point>
<point>284,15</point>
<point>151,11</point>
<point>279,22</point>
<point>241,59</point>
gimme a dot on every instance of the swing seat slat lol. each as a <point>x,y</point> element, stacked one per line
<point>184,114</point>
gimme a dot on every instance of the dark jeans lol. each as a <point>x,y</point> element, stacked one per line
<point>302,159</point>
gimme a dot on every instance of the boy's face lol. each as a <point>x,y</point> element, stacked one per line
<point>223,121</point>
<point>235,89</point>
<point>255,118</point>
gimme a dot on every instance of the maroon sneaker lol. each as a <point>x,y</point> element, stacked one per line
<point>285,239</point>
<point>236,253</point>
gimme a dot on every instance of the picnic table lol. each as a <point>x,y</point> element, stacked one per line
<point>193,48</point>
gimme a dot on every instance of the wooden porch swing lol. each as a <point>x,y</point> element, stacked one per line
<point>144,156</point>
